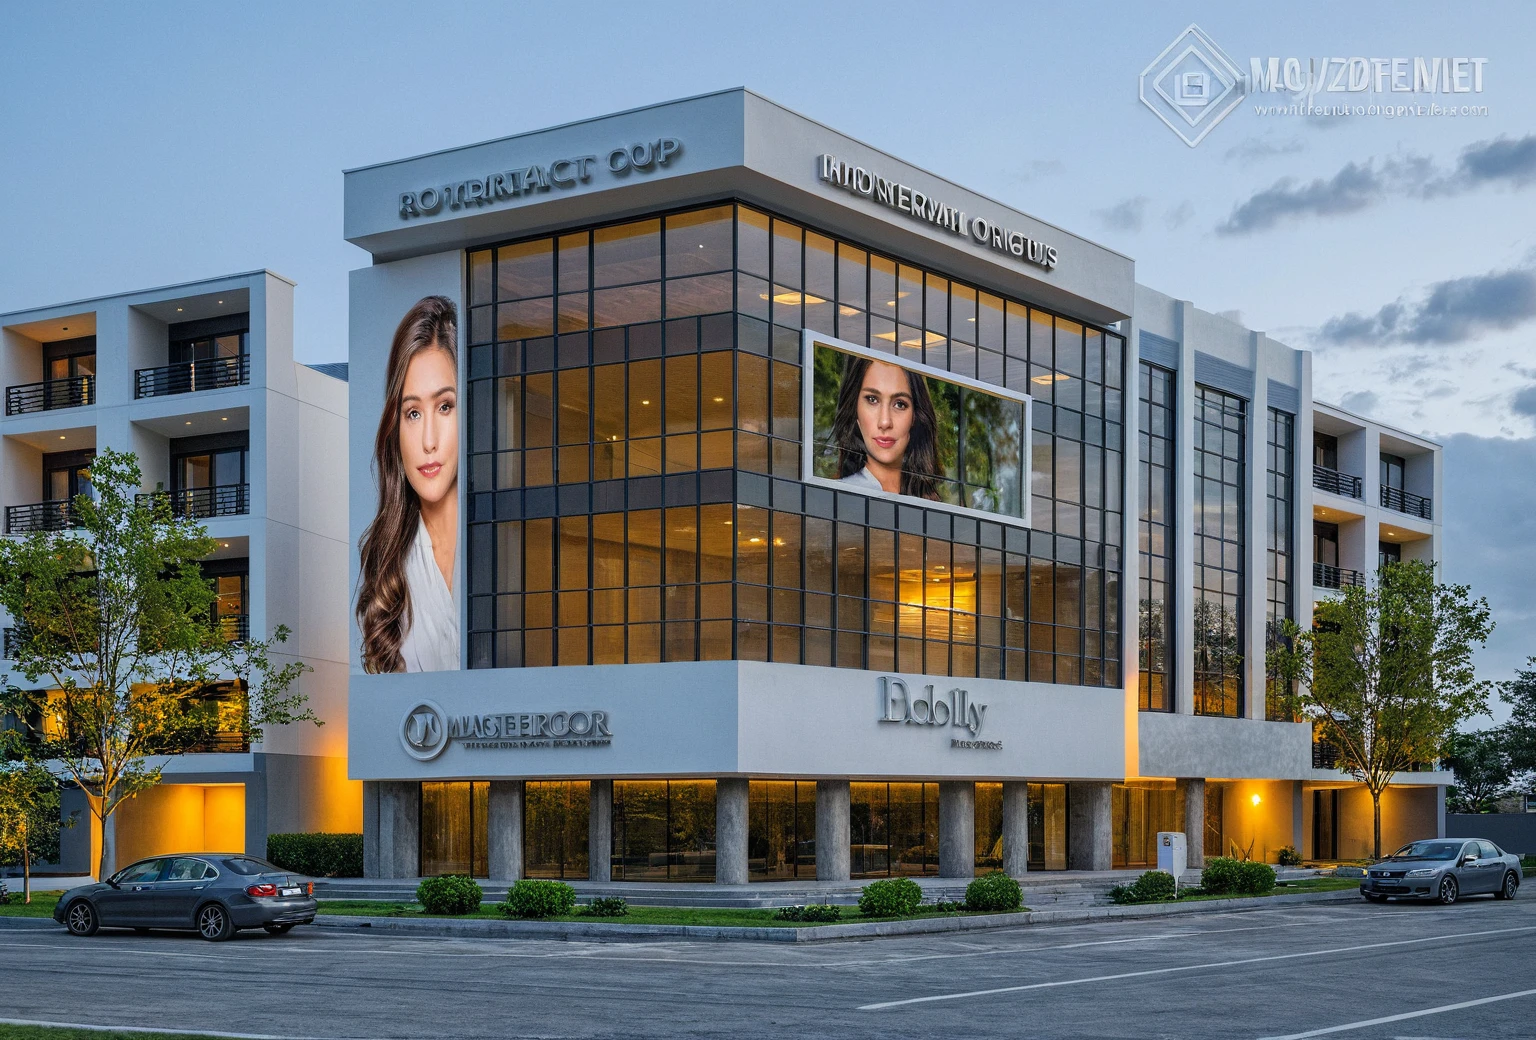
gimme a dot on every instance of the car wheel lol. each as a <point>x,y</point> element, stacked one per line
<point>1509,888</point>
<point>1449,890</point>
<point>81,918</point>
<point>277,929</point>
<point>213,923</point>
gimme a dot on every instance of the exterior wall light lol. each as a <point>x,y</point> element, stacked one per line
<point>1257,799</point>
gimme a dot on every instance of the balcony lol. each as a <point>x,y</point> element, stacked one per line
<point>40,516</point>
<point>1407,502</point>
<point>235,628</point>
<point>50,394</point>
<point>204,502</point>
<point>190,376</point>
<point>1324,755</point>
<point>1346,484</point>
<point>1326,576</point>
<point>216,743</point>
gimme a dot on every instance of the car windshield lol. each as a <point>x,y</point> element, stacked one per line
<point>249,865</point>
<point>1428,850</point>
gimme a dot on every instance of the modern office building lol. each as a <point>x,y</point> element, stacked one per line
<point>199,381</point>
<point>688,653</point>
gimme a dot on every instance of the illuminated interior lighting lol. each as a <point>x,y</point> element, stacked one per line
<point>719,400</point>
<point>645,402</point>
<point>61,436</point>
<point>1054,377</point>
<point>1257,799</point>
<point>792,298</point>
<point>754,541</point>
<point>178,310</point>
<point>929,337</point>
<point>189,422</point>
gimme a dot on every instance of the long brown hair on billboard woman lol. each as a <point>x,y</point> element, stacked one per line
<point>405,604</point>
<point>885,429</point>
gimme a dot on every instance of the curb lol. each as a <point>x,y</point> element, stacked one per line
<point>30,923</point>
<point>583,931</point>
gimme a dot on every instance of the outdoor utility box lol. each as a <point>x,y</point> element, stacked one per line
<point>1172,853</point>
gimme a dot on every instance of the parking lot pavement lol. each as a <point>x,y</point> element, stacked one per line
<point>1343,970</point>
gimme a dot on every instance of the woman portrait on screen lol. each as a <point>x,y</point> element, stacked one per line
<point>884,431</point>
<point>406,607</point>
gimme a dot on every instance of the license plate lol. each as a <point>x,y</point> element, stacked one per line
<point>291,891</point>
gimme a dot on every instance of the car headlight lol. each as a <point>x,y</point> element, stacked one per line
<point>1423,872</point>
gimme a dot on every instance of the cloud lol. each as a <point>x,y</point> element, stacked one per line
<point>1253,149</point>
<point>1037,169</point>
<point>1524,401</point>
<point>1353,188</point>
<point>1452,311</point>
<point>1128,215</point>
<point>1362,402</point>
<point>1500,161</point>
<point>1179,215</point>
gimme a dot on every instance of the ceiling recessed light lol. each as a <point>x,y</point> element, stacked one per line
<point>61,436</point>
<point>226,544</point>
<point>719,400</point>
<point>189,422</point>
<point>645,402</point>
<point>221,303</point>
<point>178,310</point>
<point>223,418</point>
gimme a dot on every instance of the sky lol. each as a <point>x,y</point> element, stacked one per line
<point>156,143</point>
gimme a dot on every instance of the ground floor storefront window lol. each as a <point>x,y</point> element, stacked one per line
<point>663,830</point>
<point>454,818</point>
<point>781,830</point>
<point>1138,813</point>
<point>555,835</point>
<point>894,829</point>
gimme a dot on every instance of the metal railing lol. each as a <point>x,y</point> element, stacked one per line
<point>1346,484</point>
<point>188,376</point>
<point>1324,755</point>
<point>50,394</point>
<point>1407,502</point>
<point>235,628</point>
<point>39,516</point>
<point>216,743</point>
<point>204,502</point>
<point>1327,576</point>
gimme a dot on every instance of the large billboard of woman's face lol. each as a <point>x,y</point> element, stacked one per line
<point>407,600</point>
<point>882,425</point>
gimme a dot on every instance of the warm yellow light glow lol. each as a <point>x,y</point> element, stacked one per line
<point>754,541</point>
<point>645,402</point>
<point>1054,377</point>
<point>719,400</point>
<point>847,311</point>
<point>929,337</point>
<point>792,298</point>
<point>1257,799</point>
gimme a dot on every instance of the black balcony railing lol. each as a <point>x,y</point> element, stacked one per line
<point>1326,576</point>
<point>1324,755</point>
<point>204,374</point>
<point>1407,502</point>
<point>50,394</point>
<point>202,503</point>
<point>216,743</point>
<point>1346,484</point>
<point>235,628</point>
<point>39,516</point>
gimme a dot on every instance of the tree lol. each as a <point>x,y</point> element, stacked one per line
<point>123,663</point>
<point>1481,763</point>
<point>1386,673</point>
<point>29,818</point>
<point>1520,732</point>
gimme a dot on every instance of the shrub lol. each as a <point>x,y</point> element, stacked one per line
<point>317,855</point>
<point>1255,879</point>
<point>534,899</point>
<point>820,913</point>
<point>5,895</point>
<point>1220,875</point>
<point>607,906</point>
<point>995,892</point>
<point>449,894</point>
<point>946,906</point>
<point>1154,886</point>
<point>1289,857</point>
<point>893,897</point>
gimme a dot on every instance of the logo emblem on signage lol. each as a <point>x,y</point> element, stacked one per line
<point>424,731</point>
<point>1192,85</point>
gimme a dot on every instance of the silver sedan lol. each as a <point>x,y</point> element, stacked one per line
<point>1443,869</point>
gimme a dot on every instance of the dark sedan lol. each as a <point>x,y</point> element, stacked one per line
<point>1443,869</point>
<point>213,894</point>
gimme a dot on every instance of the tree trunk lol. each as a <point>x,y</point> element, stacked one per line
<point>1376,811</point>
<point>109,851</point>
<point>26,874</point>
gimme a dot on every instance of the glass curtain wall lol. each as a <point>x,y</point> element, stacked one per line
<point>894,829</point>
<point>663,830</point>
<point>1280,549</point>
<point>668,522</point>
<point>989,828</point>
<point>1159,392</point>
<point>781,829</point>
<point>1137,813</point>
<point>1047,826</point>
<point>1215,825</point>
<point>454,818</point>
<point>1219,543</point>
<point>555,835</point>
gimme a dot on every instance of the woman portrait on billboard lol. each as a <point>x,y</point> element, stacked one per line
<point>885,429</point>
<point>406,607</point>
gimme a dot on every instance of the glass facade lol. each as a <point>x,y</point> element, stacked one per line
<point>1220,481</point>
<point>894,829</point>
<point>454,818</point>
<point>555,835</point>
<point>1156,531</point>
<point>1280,546</point>
<point>634,467</point>
<point>1137,812</point>
<point>781,830</point>
<point>663,830</point>
<point>1047,826</point>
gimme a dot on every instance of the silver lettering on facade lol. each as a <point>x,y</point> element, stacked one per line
<point>929,708</point>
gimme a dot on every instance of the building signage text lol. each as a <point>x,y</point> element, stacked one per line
<point>929,708</point>
<point>921,206</point>
<point>494,187</point>
<point>426,731</point>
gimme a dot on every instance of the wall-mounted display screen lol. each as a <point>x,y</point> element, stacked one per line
<point>881,425</point>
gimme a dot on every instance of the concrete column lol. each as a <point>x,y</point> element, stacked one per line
<point>1090,827</point>
<point>399,829</point>
<point>1298,832</point>
<point>1190,794</point>
<point>957,829</point>
<point>504,830</point>
<point>1015,828</point>
<point>600,832</point>
<point>833,806</point>
<point>371,828</point>
<point>731,831</point>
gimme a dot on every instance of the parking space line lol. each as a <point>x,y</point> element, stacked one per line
<point>1405,1016</point>
<point>1188,967</point>
<point>148,1029</point>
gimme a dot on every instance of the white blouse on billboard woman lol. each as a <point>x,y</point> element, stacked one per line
<point>863,479</point>
<point>431,641</point>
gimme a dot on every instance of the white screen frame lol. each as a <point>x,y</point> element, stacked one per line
<point>810,338</point>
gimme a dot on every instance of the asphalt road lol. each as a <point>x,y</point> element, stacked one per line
<point>1423,971</point>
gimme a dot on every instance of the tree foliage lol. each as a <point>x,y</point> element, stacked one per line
<point>1520,731</point>
<point>29,817</point>
<point>1386,674</point>
<point>122,663</point>
<point>1481,763</point>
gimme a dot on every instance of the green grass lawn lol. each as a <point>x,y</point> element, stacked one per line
<point>713,916</point>
<point>1282,888</point>
<point>41,906</point>
<point>65,1033</point>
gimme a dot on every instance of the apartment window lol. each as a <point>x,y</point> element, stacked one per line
<point>1220,434</point>
<point>66,474</point>
<point>1325,543</point>
<point>1393,470</point>
<point>1325,450</point>
<point>1156,530</point>
<point>231,585</point>
<point>1388,552</point>
<point>1280,493</point>
<point>634,468</point>
<point>196,341</point>
<point>209,475</point>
